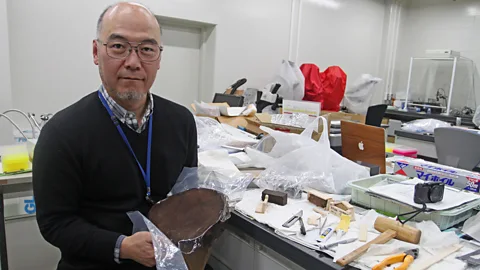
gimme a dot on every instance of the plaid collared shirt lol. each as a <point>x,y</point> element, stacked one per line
<point>126,117</point>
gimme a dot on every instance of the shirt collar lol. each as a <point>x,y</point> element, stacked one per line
<point>126,117</point>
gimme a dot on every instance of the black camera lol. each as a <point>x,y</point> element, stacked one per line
<point>429,192</point>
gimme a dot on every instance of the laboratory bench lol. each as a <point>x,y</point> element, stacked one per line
<point>280,251</point>
<point>12,184</point>
<point>244,241</point>
<point>410,116</point>
<point>424,143</point>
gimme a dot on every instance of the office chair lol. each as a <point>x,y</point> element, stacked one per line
<point>375,115</point>
<point>457,147</point>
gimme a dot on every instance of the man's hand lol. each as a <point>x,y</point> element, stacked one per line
<point>138,247</point>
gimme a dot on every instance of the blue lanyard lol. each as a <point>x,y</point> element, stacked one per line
<point>146,174</point>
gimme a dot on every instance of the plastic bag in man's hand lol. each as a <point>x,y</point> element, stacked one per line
<point>167,255</point>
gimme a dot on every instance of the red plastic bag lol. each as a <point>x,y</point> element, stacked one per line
<point>327,87</point>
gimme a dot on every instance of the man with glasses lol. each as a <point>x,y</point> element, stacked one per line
<point>117,150</point>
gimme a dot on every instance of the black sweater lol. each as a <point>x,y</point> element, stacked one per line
<point>85,179</point>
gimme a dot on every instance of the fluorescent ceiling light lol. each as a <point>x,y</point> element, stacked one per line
<point>473,11</point>
<point>332,4</point>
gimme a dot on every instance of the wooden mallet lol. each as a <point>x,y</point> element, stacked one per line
<point>390,229</point>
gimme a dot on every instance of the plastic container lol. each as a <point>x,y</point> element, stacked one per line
<point>14,158</point>
<point>405,151</point>
<point>19,139</point>
<point>443,219</point>
<point>389,147</point>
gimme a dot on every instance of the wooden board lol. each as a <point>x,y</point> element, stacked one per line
<point>372,138</point>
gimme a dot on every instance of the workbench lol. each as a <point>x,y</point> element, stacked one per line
<point>296,253</point>
<point>9,185</point>
<point>424,143</point>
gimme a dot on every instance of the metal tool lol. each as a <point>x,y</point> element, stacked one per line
<point>471,258</point>
<point>323,225</point>
<point>289,223</point>
<point>406,258</point>
<point>302,226</point>
<point>341,242</point>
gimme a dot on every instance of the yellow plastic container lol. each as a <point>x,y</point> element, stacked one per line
<point>15,158</point>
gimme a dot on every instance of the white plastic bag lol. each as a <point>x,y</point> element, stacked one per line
<point>424,125</point>
<point>296,161</point>
<point>476,117</point>
<point>358,97</point>
<point>291,78</point>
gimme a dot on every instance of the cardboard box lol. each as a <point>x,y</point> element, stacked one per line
<point>341,116</point>
<point>311,108</point>
<point>240,121</point>
<point>458,178</point>
<point>263,119</point>
<point>238,92</point>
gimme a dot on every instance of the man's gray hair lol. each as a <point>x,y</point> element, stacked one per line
<point>100,19</point>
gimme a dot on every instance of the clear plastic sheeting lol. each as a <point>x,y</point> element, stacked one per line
<point>167,255</point>
<point>232,186</point>
<point>295,120</point>
<point>213,135</point>
<point>424,125</point>
<point>192,219</point>
<point>202,108</point>
<point>359,96</point>
<point>210,133</point>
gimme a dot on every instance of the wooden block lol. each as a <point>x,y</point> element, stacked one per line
<point>276,197</point>
<point>363,233</point>
<point>313,220</point>
<point>342,207</point>
<point>426,263</point>
<point>319,199</point>
<point>320,211</point>
<point>262,206</point>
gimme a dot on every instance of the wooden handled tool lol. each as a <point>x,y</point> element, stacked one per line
<point>390,229</point>
<point>262,206</point>
<point>404,233</point>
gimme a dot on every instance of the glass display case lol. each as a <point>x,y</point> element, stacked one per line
<point>440,85</point>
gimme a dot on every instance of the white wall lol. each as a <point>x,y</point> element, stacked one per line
<point>51,58</point>
<point>440,24</point>
<point>5,88</point>
<point>349,37</point>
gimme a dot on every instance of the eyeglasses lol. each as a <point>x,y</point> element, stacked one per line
<point>146,51</point>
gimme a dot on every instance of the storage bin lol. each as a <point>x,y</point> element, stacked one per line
<point>444,219</point>
<point>14,158</point>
